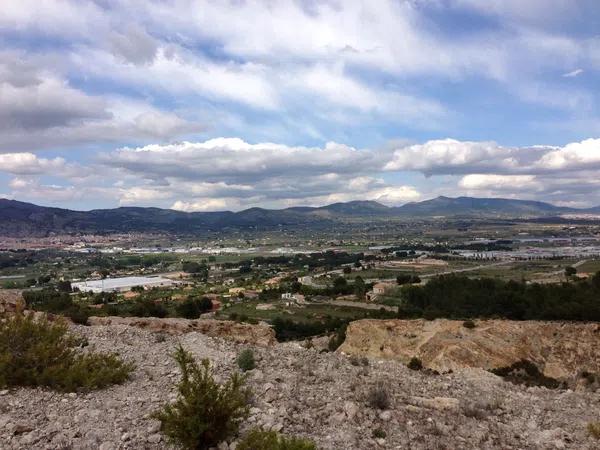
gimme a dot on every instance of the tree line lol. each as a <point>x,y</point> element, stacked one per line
<point>460,297</point>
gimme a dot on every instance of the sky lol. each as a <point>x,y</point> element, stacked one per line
<point>201,105</point>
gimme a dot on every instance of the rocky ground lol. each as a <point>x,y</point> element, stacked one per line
<point>300,391</point>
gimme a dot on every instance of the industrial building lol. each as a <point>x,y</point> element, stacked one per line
<point>121,284</point>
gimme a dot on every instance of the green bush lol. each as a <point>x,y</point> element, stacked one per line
<point>192,308</point>
<point>258,439</point>
<point>55,302</point>
<point>415,363</point>
<point>245,360</point>
<point>206,412</point>
<point>36,352</point>
<point>378,433</point>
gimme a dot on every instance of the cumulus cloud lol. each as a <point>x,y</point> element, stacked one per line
<point>576,155</point>
<point>232,158</point>
<point>206,204</point>
<point>493,182</point>
<point>230,173</point>
<point>30,164</point>
<point>449,156</point>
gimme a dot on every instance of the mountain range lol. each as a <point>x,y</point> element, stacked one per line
<point>26,219</point>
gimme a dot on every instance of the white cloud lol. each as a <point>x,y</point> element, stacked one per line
<point>231,158</point>
<point>576,155</point>
<point>229,173</point>
<point>30,164</point>
<point>478,181</point>
<point>450,156</point>
<point>573,73</point>
<point>206,204</point>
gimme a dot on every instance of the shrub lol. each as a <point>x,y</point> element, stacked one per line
<point>258,439</point>
<point>594,429</point>
<point>55,302</point>
<point>192,308</point>
<point>378,433</point>
<point>245,360</point>
<point>379,397</point>
<point>205,412</point>
<point>42,353</point>
<point>469,324</point>
<point>415,364</point>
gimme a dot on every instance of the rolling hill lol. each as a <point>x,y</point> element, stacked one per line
<point>24,219</point>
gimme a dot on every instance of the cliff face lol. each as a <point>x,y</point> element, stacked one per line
<point>241,333</point>
<point>560,350</point>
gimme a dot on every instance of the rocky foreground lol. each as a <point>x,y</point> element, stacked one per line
<point>301,391</point>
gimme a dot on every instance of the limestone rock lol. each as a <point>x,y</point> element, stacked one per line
<point>560,350</point>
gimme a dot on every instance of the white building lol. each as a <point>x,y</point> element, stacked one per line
<point>121,284</point>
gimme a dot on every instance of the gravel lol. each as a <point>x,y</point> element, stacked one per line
<point>303,392</point>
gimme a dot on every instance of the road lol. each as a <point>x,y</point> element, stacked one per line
<point>468,269</point>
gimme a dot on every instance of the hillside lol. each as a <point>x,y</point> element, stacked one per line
<point>299,391</point>
<point>469,206</point>
<point>25,219</point>
<point>560,350</point>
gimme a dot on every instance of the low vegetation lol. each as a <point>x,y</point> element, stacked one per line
<point>193,307</point>
<point>245,360</point>
<point>56,302</point>
<point>258,439</point>
<point>37,352</point>
<point>379,433</point>
<point>378,397</point>
<point>205,412</point>
<point>415,364</point>
<point>594,429</point>
<point>287,329</point>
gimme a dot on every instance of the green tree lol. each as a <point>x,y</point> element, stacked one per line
<point>570,271</point>
<point>359,287</point>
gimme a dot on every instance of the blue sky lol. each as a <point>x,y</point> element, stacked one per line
<point>211,105</point>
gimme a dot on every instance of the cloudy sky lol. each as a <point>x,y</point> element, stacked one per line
<point>212,105</point>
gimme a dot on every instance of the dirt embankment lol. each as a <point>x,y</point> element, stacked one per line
<point>10,301</point>
<point>559,350</point>
<point>241,333</point>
